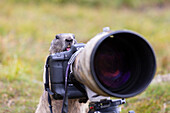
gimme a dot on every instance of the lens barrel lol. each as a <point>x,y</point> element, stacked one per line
<point>119,64</point>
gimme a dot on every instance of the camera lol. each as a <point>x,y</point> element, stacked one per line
<point>57,64</point>
<point>113,63</point>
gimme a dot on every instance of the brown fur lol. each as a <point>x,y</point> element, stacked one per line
<point>59,44</point>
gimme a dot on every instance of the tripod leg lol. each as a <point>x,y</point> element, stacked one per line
<point>131,111</point>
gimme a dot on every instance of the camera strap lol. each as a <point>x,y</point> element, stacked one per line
<point>69,66</point>
<point>72,59</point>
<point>65,99</point>
<point>46,83</point>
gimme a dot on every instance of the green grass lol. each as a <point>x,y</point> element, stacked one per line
<point>155,99</point>
<point>19,96</point>
<point>99,3</point>
<point>26,31</point>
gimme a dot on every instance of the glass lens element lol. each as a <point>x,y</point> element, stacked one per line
<point>111,65</point>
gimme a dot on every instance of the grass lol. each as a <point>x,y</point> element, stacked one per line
<point>26,31</point>
<point>155,99</point>
<point>19,96</point>
<point>100,3</point>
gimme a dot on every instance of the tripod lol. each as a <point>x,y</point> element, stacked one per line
<point>107,106</point>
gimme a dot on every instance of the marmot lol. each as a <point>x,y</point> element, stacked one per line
<point>62,42</point>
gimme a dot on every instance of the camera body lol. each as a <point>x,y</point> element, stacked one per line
<point>57,66</point>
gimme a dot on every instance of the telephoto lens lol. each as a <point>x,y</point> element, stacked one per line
<point>116,63</point>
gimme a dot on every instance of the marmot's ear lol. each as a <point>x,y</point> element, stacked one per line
<point>73,36</point>
<point>57,37</point>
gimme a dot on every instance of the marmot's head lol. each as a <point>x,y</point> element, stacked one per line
<point>62,42</point>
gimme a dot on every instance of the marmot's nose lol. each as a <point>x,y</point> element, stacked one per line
<point>69,40</point>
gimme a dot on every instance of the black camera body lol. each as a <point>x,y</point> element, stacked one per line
<point>57,66</point>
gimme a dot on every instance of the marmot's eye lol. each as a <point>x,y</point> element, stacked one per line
<point>57,37</point>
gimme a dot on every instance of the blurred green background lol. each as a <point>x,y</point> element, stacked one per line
<point>28,26</point>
